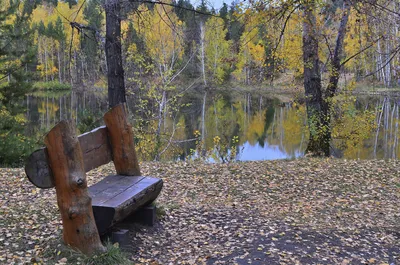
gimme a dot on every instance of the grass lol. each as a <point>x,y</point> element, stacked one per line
<point>372,86</point>
<point>377,89</point>
<point>56,94</point>
<point>51,85</point>
<point>112,256</point>
<point>160,210</point>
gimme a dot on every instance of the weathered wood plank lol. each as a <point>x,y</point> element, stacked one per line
<point>131,199</point>
<point>95,147</point>
<point>96,152</point>
<point>146,184</point>
<point>103,184</point>
<point>37,169</point>
<point>118,207</point>
<point>113,188</point>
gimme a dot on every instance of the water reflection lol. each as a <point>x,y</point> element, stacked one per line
<point>44,110</point>
<point>265,127</point>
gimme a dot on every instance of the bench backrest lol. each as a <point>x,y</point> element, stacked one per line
<point>96,151</point>
<point>114,142</point>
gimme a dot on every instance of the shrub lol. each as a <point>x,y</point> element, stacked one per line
<point>14,145</point>
<point>88,120</point>
<point>51,85</point>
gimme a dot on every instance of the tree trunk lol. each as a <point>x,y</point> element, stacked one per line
<point>115,71</point>
<point>337,56</point>
<point>380,68</point>
<point>161,119</point>
<point>66,162</point>
<point>317,113</point>
<point>45,60</point>
<point>203,119</point>
<point>59,65</point>
<point>202,52</point>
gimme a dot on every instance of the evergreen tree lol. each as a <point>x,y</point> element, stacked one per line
<point>71,3</point>
<point>90,47</point>
<point>50,31</point>
<point>191,34</point>
<point>181,10</point>
<point>59,33</point>
<point>41,28</point>
<point>235,29</point>
<point>60,36</point>
<point>223,13</point>
<point>17,54</point>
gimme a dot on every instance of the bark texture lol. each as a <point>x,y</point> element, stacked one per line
<point>122,141</point>
<point>338,53</point>
<point>94,146</point>
<point>319,107</point>
<point>115,71</point>
<point>317,111</point>
<point>66,162</point>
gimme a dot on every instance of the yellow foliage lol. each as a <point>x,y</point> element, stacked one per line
<point>251,54</point>
<point>291,49</point>
<point>217,49</point>
<point>47,14</point>
<point>355,39</point>
<point>48,108</point>
<point>255,129</point>
<point>162,33</point>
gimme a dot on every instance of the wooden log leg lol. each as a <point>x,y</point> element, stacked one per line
<point>122,141</point>
<point>74,202</point>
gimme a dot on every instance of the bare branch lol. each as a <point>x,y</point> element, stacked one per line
<point>394,53</point>
<point>361,51</point>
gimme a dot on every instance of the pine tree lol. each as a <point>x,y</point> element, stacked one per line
<point>223,13</point>
<point>60,36</point>
<point>90,47</point>
<point>17,54</point>
<point>235,28</point>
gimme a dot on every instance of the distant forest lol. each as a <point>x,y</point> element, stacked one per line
<point>241,43</point>
<point>169,48</point>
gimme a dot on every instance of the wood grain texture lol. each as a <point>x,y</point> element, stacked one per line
<point>122,141</point>
<point>114,188</point>
<point>37,169</point>
<point>66,163</point>
<point>95,148</point>
<point>120,202</point>
<point>96,152</point>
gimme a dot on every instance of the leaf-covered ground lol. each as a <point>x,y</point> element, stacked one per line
<point>306,211</point>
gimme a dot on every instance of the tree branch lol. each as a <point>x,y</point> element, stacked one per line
<point>361,51</point>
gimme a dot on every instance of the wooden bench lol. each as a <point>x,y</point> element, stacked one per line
<point>64,158</point>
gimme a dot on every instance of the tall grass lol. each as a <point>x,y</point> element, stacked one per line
<point>51,85</point>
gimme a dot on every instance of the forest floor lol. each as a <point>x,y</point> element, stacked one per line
<point>305,211</point>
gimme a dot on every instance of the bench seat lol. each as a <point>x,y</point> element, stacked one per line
<point>116,197</point>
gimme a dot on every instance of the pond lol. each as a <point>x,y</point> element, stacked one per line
<point>245,126</point>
